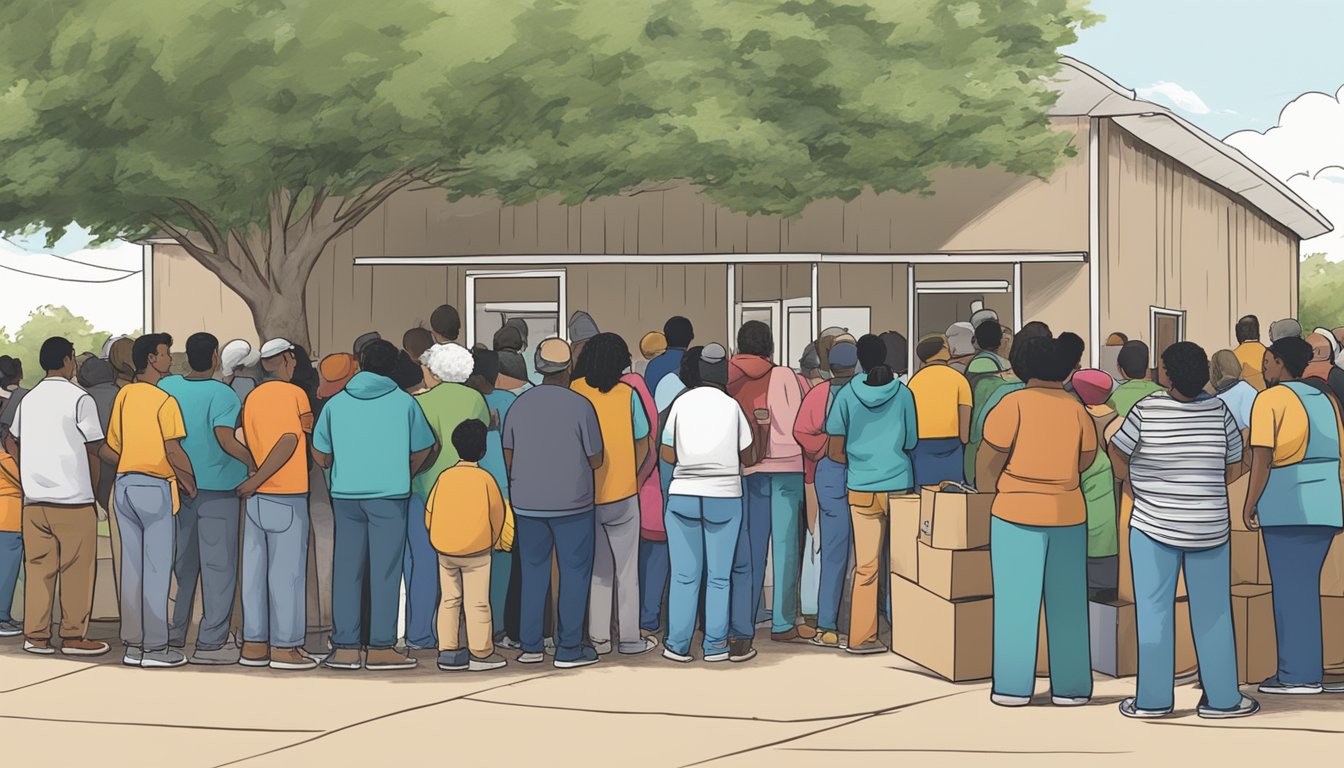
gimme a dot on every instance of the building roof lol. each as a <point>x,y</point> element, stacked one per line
<point>1084,90</point>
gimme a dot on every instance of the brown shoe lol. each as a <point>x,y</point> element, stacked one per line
<point>791,636</point>
<point>387,658</point>
<point>344,658</point>
<point>255,655</point>
<point>740,650</point>
<point>806,631</point>
<point>40,647</point>
<point>82,647</point>
<point>291,659</point>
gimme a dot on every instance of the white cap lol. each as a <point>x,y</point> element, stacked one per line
<point>237,354</point>
<point>275,347</point>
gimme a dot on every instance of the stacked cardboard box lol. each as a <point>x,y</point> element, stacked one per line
<point>941,586</point>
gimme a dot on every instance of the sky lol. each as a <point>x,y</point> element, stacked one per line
<point>102,284</point>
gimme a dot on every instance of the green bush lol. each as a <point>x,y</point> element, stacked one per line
<point>1320,301</point>
<point>43,323</point>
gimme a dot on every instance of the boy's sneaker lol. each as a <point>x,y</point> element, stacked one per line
<point>870,646</point>
<point>1273,686</point>
<point>215,656</point>
<point>133,656</point>
<point>681,658</point>
<point>1005,700</point>
<point>82,647</point>
<point>740,650</point>
<point>40,647</point>
<point>165,659</point>
<point>586,655</point>
<point>10,629</point>
<point>454,660</point>
<point>255,655</point>
<point>292,659</point>
<point>344,658</point>
<point>384,659</point>
<point>827,639</point>
<point>535,657</point>
<point>493,661</point>
<point>1246,708</point>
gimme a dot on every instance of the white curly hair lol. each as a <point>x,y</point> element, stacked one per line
<point>449,362</point>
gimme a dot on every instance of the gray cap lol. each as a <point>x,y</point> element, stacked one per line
<point>552,356</point>
<point>961,339</point>
<point>834,330</point>
<point>1282,329</point>
<point>365,340</point>
<point>809,360</point>
<point>714,364</point>
<point>980,313</point>
<point>582,327</point>
<point>713,353</point>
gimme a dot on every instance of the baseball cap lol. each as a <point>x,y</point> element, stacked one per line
<point>365,339</point>
<point>714,364</point>
<point>1282,329</point>
<point>335,370</point>
<point>275,347</point>
<point>1093,386</point>
<point>582,327</point>
<point>552,356</point>
<point>843,355</point>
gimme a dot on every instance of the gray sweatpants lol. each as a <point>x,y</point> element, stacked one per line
<point>616,567</point>
<point>207,546</point>
<point>144,507</point>
<point>275,569</point>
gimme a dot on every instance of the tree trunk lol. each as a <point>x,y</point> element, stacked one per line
<point>283,315</point>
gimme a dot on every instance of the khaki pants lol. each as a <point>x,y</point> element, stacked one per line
<point>464,586</point>
<point>59,540</point>
<point>868,514</point>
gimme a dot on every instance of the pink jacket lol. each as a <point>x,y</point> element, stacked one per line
<point>810,428</point>
<point>651,492</point>
<point>757,383</point>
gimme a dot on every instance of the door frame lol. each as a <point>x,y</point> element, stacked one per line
<point>1155,312</point>
<point>776,315</point>
<point>469,314</point>
<point>932,287</point>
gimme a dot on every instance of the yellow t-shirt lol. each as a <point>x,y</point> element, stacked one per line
<point>616,480</point>
<point>1044,431</point>
<point>144,418</point>
<point>465,511</point>
<point>1251,354</point>
<point>1279,421</point>
<point>940,391</point>
<point>11,495</point>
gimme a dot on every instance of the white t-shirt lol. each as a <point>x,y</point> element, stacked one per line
<point>53,424</point>
<point>708,429</point>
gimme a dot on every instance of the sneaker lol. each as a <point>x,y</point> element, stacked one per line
<point>493,661</point>
<point>387,659</point>
<point>1273,686</point>
<point>40,647</point>
<point>132,657</point>
<point>536,657</point>
<point>681,658</point>
<point>1335,687</point>
<point>603,647</point>
<point>216,656</point>
<point>508,643</point>
<point>455,660</point>
<point>717,657</point>
<point>548,646</point>
<point>827,639</point>
<point>1004,700</point>
<point>10,629</point>
<point>740,651</point>
<point>647,643</point>
<point>255,655</point>
<point>343,658</point>
<point>869,646</point>
<point>165,659</point>
<point>82,647</point>
<point>292,659</point>
<point>587,655</point>
<point>419,647</point>
<point>1130,708</point>
<point>1246,708</point>
<point>1070,701</point>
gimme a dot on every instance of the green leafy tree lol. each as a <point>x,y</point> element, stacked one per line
<point>254,132</point>
<point>1320,295</point>
<point>43,323</point>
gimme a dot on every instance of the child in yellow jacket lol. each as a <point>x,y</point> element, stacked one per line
<point>465,517</point>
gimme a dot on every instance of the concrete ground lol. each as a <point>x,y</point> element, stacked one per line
<point>792,705</point>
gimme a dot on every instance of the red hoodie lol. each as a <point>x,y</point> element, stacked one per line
<point>755,382</point>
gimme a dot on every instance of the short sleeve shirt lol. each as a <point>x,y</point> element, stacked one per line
<point>1279,422</point>
<point>53,424</point>
<point>551,431</point>
<point>708,430</point>
<point>273,410</point>
<point>1045,431</point>
<point>144,419</point>
<point>940,392</point>
<point>446,406</point>
<point>207,404</point>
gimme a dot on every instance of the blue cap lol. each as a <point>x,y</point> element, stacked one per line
<point>843,355</point>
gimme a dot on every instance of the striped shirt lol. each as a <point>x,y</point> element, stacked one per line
<point>1178,456</point>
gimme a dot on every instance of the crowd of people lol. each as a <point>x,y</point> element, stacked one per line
<point>570,501</point>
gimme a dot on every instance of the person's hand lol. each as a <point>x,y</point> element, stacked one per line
<point>188,487</point>
<point>1251,517</point>
<point>248,488</point>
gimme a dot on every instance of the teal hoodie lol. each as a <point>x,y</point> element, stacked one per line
<point>878,424</point>
<point>371,428</point>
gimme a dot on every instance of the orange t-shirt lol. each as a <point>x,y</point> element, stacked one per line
<point>271,411</point>
<point>11,495</point>
<point>1044,431</point>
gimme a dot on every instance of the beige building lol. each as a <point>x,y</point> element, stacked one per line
<point>1154,228</point>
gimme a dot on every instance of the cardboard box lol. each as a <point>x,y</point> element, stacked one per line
<point>955,574</point>
<point>954,640</point>
<point>1332,574</point>
<point>1247,552</point>
<point>1332,634</point>
<point>1253,625</point>
<point>1042,650</point>
<point>954,520</point>
<point>904,522</point>
<point>1186,662</point>
<point>1114,638</point>
<point>1236,501</point>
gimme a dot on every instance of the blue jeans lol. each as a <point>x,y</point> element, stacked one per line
<point>837,542</point>
<point>11,557</point>
<point>702,538</point>
<point>653,574</point>
<point>501,568</point>
<point>207,547</point>
<point>774,513</point>
<point>1296,554</point>
<point>144,509</point>
<point>275,569</point>
<point>572,538</point>
<point>422,579</point>
<point>935,460</point>
<point>1208,581</point>
<point>370,543</point>
<point>1032,563</point>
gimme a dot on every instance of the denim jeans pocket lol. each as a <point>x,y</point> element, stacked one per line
<point>272,516</point>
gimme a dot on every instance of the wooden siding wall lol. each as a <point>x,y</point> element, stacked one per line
<point>1172,240</point>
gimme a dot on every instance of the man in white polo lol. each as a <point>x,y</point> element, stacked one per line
<point>55,430</point>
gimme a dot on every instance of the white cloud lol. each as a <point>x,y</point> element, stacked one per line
<point>1176,95</point>
<point>1306,150</point>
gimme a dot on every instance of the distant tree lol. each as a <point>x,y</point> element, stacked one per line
<point>1320,293</point>
<point>43,323</point>
<point>255,133</point>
